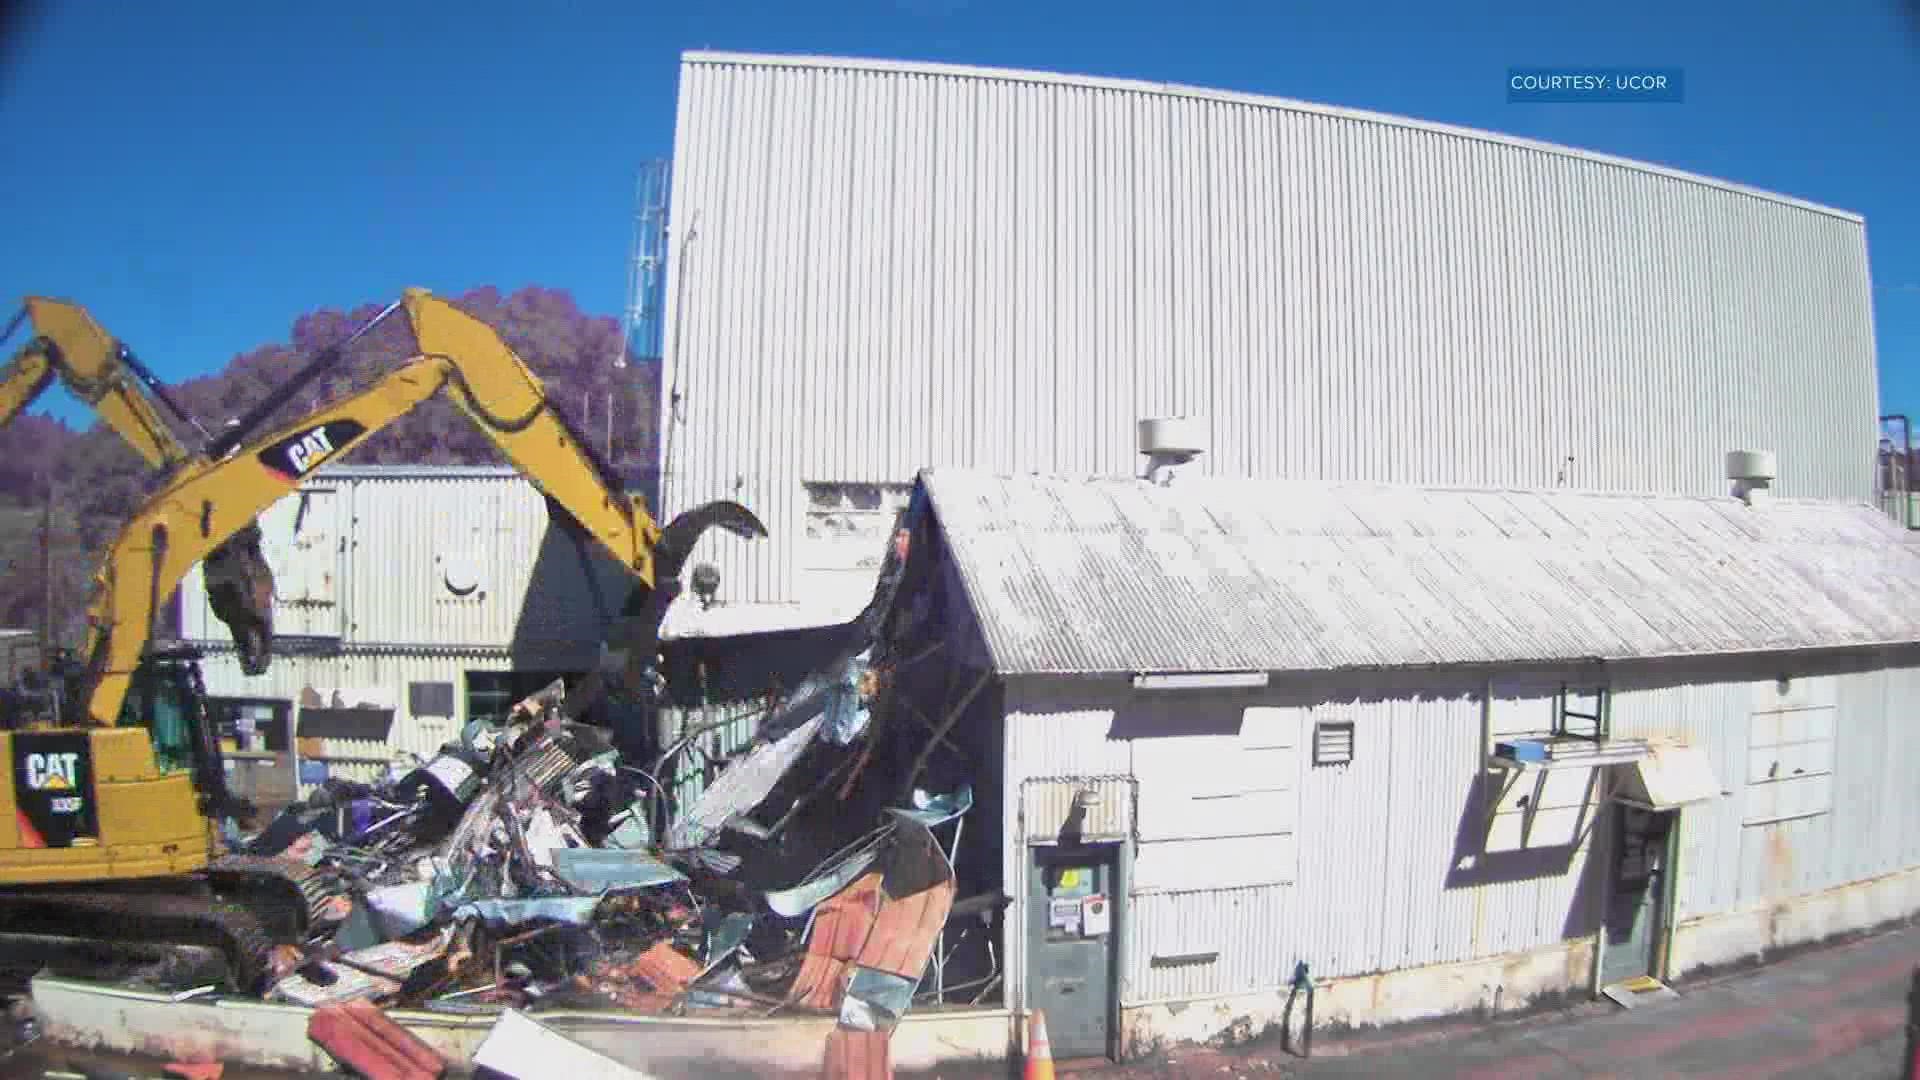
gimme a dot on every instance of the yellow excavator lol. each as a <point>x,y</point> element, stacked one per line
<point>70,346</point>
<point>115,833</point>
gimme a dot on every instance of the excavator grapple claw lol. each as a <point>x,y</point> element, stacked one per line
<point>685,530</point>
<point>240,592</point>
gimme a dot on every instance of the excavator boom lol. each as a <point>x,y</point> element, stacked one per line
<point>68,878</point>
<point>69,345</point>
<point>209,501</point>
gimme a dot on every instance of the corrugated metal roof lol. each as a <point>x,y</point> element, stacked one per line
<point>1116,575</point>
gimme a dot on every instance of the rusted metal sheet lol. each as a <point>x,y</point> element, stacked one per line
<point>364,1039</point>
<point>1004,269</point>
<point>840,930</point>
<point>858,1055</point>
<point>666,968</point>
<point>1299,576</point>
<point>904,932</point>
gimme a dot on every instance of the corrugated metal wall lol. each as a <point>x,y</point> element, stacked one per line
<point>372,678</point>
<point>1391,873</point>
<point>422,574</point>
<point>420,557</point>
<point>876,268</point>
<point>1872,828</point>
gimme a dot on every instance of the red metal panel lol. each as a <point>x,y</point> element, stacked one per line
<point>666,968</point>
<point>840,928</point>
<point>858,1055</point>
<point>362,1038</point>
<point>904,932</point>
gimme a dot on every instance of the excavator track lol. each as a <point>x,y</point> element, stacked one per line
<point>242,908</point>
<point>96,928</point>
<point>292,897</point>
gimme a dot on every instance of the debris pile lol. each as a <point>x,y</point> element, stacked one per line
<point>527,866</point>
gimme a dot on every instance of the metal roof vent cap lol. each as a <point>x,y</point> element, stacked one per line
<point>1169,442</point>
<point>1753,473</point>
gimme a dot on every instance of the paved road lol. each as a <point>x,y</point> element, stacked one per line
<point>1839,1012</point>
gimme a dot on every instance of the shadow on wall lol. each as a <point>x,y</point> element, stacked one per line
<point>575,588</point>
<point>1473,865</point>
<point>1479,858</point>
<point>1175,718</point>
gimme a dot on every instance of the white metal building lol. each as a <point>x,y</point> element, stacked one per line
<point>879,266</point>
<point>1261,719</point>
<point>428,595</point>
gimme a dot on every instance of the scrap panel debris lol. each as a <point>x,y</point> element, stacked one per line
<point>533,864</point>
<point>522,867</point>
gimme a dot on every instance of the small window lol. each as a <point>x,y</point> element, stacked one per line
<point>1582,713</point>
<point>430,698</point>
<point>1333,742</point>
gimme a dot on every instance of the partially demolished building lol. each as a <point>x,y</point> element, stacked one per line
<point>1185,759</point>
<point>1190,755</point>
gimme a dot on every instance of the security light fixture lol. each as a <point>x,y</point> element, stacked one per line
<point>706,583</point>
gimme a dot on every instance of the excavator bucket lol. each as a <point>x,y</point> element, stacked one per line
<point>240,590</point>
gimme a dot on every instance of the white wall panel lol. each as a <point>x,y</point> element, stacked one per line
<point>375,679</point>
<point>1388,866</point>
<point>424,558</point>
<point>1372,874</point>
<point>881,267</point>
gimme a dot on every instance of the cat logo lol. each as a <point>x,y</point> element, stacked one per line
<point>312,447</point>
<point>53,772</point>
<point>303,451</point>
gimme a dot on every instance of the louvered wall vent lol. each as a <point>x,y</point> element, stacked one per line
<point>1333,742</point>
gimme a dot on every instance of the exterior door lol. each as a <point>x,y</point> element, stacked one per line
<point>1070,933</point>
<point>1635,891</point>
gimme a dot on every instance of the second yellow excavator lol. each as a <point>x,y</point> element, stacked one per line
<point>70,346</point>
<point>114,827</point>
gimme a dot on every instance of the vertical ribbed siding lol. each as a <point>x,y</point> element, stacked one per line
<point>389,535</point>
<point>383,677</point>
<point>891,269</point>
<point>1872,829</point>
<point>541,591</point>
<point>1378,842</point>
<point>1056,744</point>
<point>1381,883</point>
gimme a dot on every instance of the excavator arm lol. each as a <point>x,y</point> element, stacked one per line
<point>70,346</point>
<point>210,501</point>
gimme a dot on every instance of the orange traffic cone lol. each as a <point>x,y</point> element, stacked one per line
<point>1039,1050</point>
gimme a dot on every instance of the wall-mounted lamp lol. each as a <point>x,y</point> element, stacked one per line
<point>1201,680</point>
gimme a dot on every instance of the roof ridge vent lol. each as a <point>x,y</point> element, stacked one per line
<point>1169,442</point>
<point>1753,473</point>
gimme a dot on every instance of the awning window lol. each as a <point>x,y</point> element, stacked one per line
<point>1668,778</point>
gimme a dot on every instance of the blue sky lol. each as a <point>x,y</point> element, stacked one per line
<point>199,174</point>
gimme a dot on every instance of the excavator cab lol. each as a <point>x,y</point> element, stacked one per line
<point>167,699</point>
